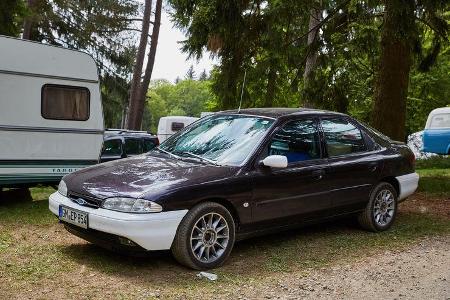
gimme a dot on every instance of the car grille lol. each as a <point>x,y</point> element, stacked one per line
<point>84,200</point>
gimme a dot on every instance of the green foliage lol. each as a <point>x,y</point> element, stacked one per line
<point>268,40</point>
<point>427,91</point>
<point>12,13</point>
<point>114,92</point>
<point>104,28</point>
<point>100,27</point>
<point>185,98</point>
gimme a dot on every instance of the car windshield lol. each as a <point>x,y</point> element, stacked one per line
<point>440,121</point>
<point>219,139</point>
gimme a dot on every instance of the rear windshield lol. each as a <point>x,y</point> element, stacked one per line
<point>440,121</point>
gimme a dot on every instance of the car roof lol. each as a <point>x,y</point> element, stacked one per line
<point>277,112</point>
<point>440,110</point>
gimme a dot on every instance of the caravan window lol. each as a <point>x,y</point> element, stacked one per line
<point>61,102</point>
<point>177,126</point>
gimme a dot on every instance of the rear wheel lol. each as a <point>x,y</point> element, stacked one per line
<point>205,237</point>
<point>381,210</point>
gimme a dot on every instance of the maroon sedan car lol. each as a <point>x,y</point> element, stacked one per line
<point>236,174</point>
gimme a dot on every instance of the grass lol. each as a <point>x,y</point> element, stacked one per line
<point>35,251</point>
<point>434,181</point>
<point>26,207</point>
<point>435,162</point>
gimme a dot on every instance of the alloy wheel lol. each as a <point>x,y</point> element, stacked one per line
<point>209,237</point>
<point>384,207</point>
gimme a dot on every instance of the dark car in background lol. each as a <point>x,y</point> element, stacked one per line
<point>120,143</point>
<point>237,174</point>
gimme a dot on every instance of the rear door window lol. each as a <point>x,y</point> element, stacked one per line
<point>133,146</point>
<point>297,140</point>
<point>342,137</point>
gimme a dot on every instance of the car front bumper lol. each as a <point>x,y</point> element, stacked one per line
<point>407,184</point>
<point>152,231</point>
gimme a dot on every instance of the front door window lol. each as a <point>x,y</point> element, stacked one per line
<point>297,140</point>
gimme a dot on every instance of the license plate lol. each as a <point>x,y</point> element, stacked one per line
<point>73,216</point>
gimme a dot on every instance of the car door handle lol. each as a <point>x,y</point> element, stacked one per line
<point>318,174</point>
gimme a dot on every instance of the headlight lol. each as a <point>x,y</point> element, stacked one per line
<point>62,188</point>
<point>131,205</point>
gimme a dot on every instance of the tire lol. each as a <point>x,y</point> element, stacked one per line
<point>378,216</point>
<point>216,237</point>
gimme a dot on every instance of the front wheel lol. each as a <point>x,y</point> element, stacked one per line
<point>381,210</point>
<point>205,237</point>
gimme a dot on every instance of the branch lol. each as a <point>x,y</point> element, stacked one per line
<point>439,32</point>
<point>326,19</point>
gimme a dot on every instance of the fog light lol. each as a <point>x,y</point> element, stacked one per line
<point>126,242</point>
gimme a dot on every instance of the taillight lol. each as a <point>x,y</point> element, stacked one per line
<point>157,141</point>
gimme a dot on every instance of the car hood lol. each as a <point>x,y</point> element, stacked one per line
<point>145,176</point>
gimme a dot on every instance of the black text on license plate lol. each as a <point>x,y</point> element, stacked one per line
<point>73,216</point>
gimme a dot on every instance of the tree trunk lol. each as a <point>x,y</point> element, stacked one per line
<point>133,111</point>
<point>150,62</point>
<point>28,23</point>
<point>271,85</point>
<point>391,87</point>
<point>311,59</point>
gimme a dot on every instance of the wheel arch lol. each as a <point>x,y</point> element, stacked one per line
<point>228,205</point>
<point>394,182</point>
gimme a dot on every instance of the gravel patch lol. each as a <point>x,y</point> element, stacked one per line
<point>419,272</point>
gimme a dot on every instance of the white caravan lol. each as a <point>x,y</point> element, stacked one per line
<point>51,119</point>
<point>167,126</point>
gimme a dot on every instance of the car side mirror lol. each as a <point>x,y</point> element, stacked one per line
<point>275,161</point>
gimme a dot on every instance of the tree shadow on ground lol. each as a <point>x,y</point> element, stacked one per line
<point>12,196</point>
<point>249,257</point>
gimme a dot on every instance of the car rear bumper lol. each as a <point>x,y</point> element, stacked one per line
<point>407,184</point>
<point>153,231</point>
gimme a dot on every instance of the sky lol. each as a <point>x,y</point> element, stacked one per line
<point>170,62</point>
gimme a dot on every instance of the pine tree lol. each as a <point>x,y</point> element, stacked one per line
<point>139,93</point>
<point>190,74</point>
<point>11,16</point>
<point>203,76</point>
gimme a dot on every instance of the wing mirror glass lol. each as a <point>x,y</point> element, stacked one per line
<point>275,161</point>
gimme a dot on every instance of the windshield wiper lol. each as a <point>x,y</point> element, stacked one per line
<point>201,158</point>
<point>167,152</point>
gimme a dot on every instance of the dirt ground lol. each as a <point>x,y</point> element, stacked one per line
<point>420,272</point>
<point>40,260</point>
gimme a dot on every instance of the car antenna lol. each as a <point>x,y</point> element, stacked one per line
<point>242,91</point>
